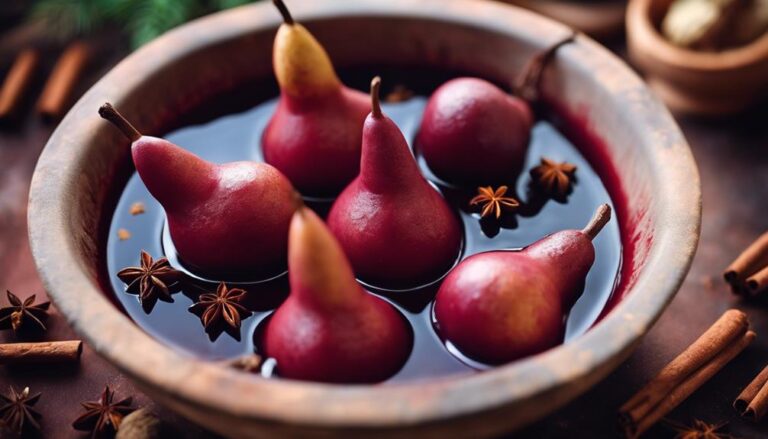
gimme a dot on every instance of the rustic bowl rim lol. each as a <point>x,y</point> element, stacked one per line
<point>643,30</point>
<point>227,392</point>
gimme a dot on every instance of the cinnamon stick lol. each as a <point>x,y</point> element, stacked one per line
<point>683,375</point>
<point>17,81</point>
<point>758,406</point>
<point>43,352</point>
<point>758,282</point>
<point>752,259</point>
<point>748,394</point>
<point>57,92</point>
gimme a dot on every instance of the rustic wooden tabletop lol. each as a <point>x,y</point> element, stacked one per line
<point>732,155</point>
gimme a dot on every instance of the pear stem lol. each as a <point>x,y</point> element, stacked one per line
<point>287,18</point>
<point>298,202</point>
<point>375,103</point>
<point>108,112</point>
<point>598,221</point>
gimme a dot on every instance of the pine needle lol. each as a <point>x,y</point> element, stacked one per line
<point>142,20</point>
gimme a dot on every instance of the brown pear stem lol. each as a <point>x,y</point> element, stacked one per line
<point>287,18</point>
<point>375,103</point>
<point>528,84</point>
<point>598,221</point>
<point>108,112</point>
<point>298,202</point>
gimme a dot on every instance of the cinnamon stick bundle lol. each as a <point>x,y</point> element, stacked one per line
<point>17,81</point>
<point>717,346</point>
<point>43,352</point>
<point>748,273</point>
<point>752,402</point>
<point>57,92</point>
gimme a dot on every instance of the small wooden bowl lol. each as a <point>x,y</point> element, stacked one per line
<point>697,82</point>
<point>601,20</point>
<point>641,154</point>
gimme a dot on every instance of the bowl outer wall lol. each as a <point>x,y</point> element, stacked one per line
<point>79,161</point>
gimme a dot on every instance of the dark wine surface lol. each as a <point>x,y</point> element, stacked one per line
<point>237,136</point>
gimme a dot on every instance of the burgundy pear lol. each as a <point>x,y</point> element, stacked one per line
<point>474,133</point>
<point>394,226</point>
<point>222,218</point>
<point>314,135</point>
<point>329,329</point>
<point>500,306</point>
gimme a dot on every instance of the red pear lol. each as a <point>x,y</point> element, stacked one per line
<point>314,135</point>
<point>474,133</point>
<point>329,329</point>
<point>499,306</point>
<point>222,218</point>
<point>394,226</point>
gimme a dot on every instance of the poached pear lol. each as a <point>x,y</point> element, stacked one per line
<point>472,132</point>
<point>329,329</point>
<point>314,135</point>
<point>229,218</point>
<point>394,226</point>
<point>500,306</point>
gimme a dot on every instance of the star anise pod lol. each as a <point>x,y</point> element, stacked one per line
<point>16,411</point>
<point>103,417</point>
<point>699,430</point>
<point>221,310</point>
<point>554,178</point>
<point>151,280</point>
<point>20,315</point>
<point>493,201</point>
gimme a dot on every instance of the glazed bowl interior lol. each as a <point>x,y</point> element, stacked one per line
<point>640,154</point>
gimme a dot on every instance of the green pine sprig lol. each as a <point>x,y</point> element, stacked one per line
<point>142,20</point>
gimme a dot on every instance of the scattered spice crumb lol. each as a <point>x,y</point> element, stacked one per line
<point>249,363</point>
<point>123,234</point>
<point>708,282</point>
<point>399,93</point>
<point>137,208</point>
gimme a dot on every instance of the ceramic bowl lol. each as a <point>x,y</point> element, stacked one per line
<point>641,154</point>
<point>690,81</point>
<point>603,20</point>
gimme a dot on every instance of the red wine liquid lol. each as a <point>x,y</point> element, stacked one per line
<point>237,136</point>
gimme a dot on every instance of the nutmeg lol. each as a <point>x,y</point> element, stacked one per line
<point>143,424</point>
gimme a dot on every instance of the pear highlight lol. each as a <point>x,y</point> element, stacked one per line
<point>474,133</point>
<point>224,218</point>
<point>500,306</point>
<point>394,226</point>
<point>329,329</point>
<point>314,135</point>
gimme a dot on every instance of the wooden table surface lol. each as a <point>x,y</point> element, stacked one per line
<point>732,155</point>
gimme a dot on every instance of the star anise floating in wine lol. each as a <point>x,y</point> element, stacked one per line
<point>553,178</point>
<point>151,280</point>
<point>23,315</point>
<point>493,201</point>
<point>221,311</point>
<point>16,411</point>
<point>103,417</point>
